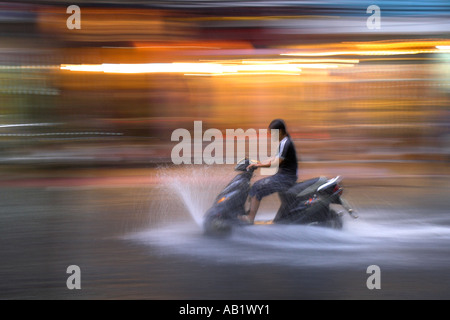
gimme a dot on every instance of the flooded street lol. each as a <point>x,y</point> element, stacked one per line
<point>137,235</point>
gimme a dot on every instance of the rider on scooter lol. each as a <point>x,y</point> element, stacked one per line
<point>285,177</point>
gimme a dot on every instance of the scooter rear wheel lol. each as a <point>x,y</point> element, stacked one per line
<point>334,221</point>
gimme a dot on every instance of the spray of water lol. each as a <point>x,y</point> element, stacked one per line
<point>397,236</point>
<point>193,187</point>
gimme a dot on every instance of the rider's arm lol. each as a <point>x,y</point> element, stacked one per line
<point>274,161</point>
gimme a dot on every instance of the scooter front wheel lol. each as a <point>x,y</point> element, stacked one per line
<point>217,227</point>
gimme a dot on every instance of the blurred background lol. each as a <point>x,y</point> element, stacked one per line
<point>86,118</point>
<point>347,92</point>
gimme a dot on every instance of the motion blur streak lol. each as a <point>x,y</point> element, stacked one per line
<point>377,48</point>
<point>208,68</point>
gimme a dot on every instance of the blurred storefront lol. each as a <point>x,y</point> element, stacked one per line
<point>345,96</point>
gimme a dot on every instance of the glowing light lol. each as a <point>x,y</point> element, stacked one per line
<point>147,68</point>
<point>83,67</point>
<point>185,68</point>
<point>337,61</point>
<point>375,48</point>
<point>274,66</point>
<point>360,53</point>
<point>443,48</point>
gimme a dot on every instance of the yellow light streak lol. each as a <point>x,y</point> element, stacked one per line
<point>201,68</point>
<point>374,48</point>
<point>360,53</point>
<point>183,68</point>
<point>281,61</point>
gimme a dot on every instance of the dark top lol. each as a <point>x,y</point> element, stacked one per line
<point>287,152</point>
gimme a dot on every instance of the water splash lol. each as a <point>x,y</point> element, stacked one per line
<point>361,243</point>
<point>399,237</point>
<point>194,186</point>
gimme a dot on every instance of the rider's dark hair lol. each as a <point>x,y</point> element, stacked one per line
<point>280,125</point>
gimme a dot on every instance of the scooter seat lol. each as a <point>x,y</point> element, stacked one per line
<point>303,188</point>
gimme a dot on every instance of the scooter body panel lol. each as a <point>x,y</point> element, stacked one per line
<point>307,202</point>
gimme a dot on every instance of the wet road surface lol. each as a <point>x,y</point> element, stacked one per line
<point>135,235</point>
